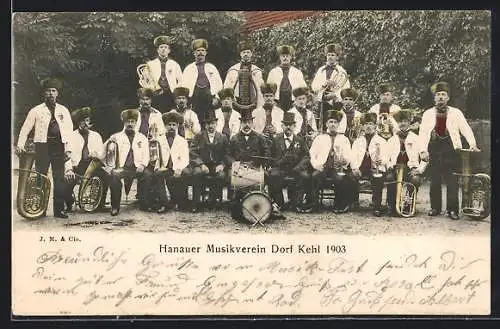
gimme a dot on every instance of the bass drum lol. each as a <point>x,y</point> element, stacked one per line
<point>256,207</point>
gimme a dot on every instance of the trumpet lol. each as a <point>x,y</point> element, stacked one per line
<point>377,173</point>
<point>355,130</point>
<point>146,79</point>
<point>339,158</point>
<point>384,126</point>
<point>188,130</point>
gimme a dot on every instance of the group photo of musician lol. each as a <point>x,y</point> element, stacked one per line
<point>257,144</point>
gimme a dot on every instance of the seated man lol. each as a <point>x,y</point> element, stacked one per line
<point>228,119</point>
<point>306,121</point>
<point>268,117</point>
<point>85,145</point>
<point>404,149</point>
<point>288,151</point>
<point>131,160</point>
<point>174,163</point>
<point>370,156</point>
<point>330,155</point>
<point>209,158</point>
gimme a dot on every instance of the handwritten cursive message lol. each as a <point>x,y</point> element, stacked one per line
<point>186,274</point>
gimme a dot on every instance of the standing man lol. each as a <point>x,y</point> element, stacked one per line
<point>85,145</point>
<point>289,152</point>
<point>306,122</point>
<point>190,125</point>
<point>228,120</point>
<point>245,79</point>
<point>53,128</point>
<point>268,117</point>
<point>209,157</point>
<point>330,78</point>
<point>166,74</point>
<point>132,161</point>
<point>202,79</point>
<point>385,111</point>
<point>350,124</point>
<point>440,132</point>
<point>287,77</point>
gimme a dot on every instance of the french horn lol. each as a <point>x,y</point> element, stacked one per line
<point>33,188</point>
<point>146,79</point>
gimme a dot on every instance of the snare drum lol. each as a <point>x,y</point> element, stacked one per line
<point>256,207</point>
<point>244,175</point>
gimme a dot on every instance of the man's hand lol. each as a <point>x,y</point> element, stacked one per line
<point>219,168</point>
<point>424,155</point>
<point>158,92</point>
<point>475,149</point>
<point>177,173</point>
<point>356,172</point>
<point>70,175</point>
<point>378,162</point>
<point>204,169</point>
<point>329,95</point>
<point>67,155</point>
<point>20,150</point>
<point>140,169</point>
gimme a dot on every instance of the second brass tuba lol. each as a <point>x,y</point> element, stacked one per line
<point>406,194</point>
<point>91,189</point>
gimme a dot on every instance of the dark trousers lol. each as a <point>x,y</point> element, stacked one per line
<point>443,161</point>
<point>177,186</point>
<point>164,102</point>
<point>276,183</point>
<point>201,180</point>
<point>201,101</point>
<point>80,170</point>
<point>116,185</point>
<point>344,187</point>
<point>391,188</point>
<point>52,154</point>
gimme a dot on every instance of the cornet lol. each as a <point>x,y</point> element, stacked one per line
<point>188,130</point>
<point>384,126</point>
<point>377,173</point>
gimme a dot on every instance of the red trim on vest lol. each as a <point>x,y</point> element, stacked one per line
<point>440,126</point>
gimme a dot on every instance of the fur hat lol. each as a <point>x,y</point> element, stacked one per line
<point>403,115</point>
<point>181,91</point>
<point>268,88</point>
<point>51,83</point>
<point>145,92</point>
<point>383,88</point>
<point>209,117</point>
<point>300,91</point>
<point>288,117</point>
<point>199,43</point>
<point>440,86</point>
<point>368,117</point>
<point>349,92</point>
<point>81,114</point>
<point>246,114</point>
<point>333,48</point>
<point>285,50</point>
<point>225,93</point>
<point>335,115</point>
<point>129,115</point>
<point>172,117</point>
<point>245,45</point>
<point>161,40</point>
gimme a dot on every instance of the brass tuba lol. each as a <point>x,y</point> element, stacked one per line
<point>91,189</point>
<point>111,155</point>
<point>146,79</point>
<point>406,194</point>
<point>475,190</point>
<point>33,188</point>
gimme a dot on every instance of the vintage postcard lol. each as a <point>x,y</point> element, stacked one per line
<point>251,163</point>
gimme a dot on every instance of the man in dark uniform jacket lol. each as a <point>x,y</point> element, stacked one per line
<point>288,152</point>
<point>209,158</point>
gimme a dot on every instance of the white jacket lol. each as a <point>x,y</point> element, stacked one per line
<point>39,117</point>
<point>359,151</point>
<point>179,152</point>
<point>190,74</point>
<point>260,119</point>
<point>173,72</point>
<point>320,79</point>
<point>294,75</point>
<point>413,148</point>
<point>234,122</point>
<point>154,118</point>
<point>455,123</point>
<point>231,80</point>
<point>343,122</point>
<point>75,145</point>
<point>190,116</point>
<point>321,147</point>
<point>311,120</point>
<point>140,147</point>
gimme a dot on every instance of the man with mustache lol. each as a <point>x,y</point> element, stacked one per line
<point>286,77</point>
<point>166,74</point>
<point>305,120</point>
<point>85,145</point>
<point>350,123</point>
<point>385,110</point>
<point>440,132</point>
<point>53,128</point>
<point>191,124</point>
<point>228,119</point>
<point>268,117</point>
<point>132,161</point>
<point>202,79</point>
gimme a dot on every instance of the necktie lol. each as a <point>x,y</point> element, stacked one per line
<point>288,142</point>
<point>163,74</point>
<point>85,150</point>
<point>303,128</point>
<point>285,82</point>
<point>144,128</point>
<point>329,70</point>
<point>181,131</point>
<point>202,80</point>
<point>225,129</point>
<point>269,118</point>
<point>170,140</point>
<point>129,161</point>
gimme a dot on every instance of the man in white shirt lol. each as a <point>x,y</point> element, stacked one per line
<point>440,132</point>
<point>286,77</point>
<point>385,111</point>
<point>202,79</point>
<point>132,160</point>
<point>53,127</point>
<point>350,123</point>
<point>305,120</point>
<point>85,145</point>
<point>166,74</point>
<point>268,117</point>
<point>228,119</point>
<point>191,124</point>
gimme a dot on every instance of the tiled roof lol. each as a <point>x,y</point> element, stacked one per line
<point>255,20</point>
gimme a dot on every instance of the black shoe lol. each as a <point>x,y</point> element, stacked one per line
<point>453,215</point>
<point>377,213</point>
<point>69,207</point>
<point>162,210</point>
<point>433,212</point>
<point>341,210</point>
<point>194,209</point>
<point>114,212</point>
<point>61,214</point>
